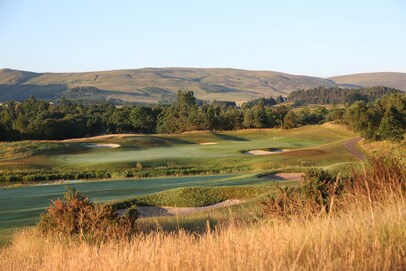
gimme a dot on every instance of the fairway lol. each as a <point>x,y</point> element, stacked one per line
<point>22,206</point>
<point>320,145</point>
<point>207,148</point>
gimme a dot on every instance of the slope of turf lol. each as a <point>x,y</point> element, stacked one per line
<point>195,196</point>
<point>185,149</point>
<point>22,206</point>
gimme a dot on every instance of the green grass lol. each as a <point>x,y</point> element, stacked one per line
<point>181,154</point>
<point>183,149</point>
<point>22,206</point>
<point>310,146</point>
<point>195,196</point>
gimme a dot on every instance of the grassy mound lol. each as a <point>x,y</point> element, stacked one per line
<point>194,196</point>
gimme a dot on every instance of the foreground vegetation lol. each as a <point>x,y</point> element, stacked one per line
<point>363,229</point>
<point>22,206</point>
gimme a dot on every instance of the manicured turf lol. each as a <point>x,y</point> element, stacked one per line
<point>320,145</point>
<point>22,206</point>
<point>185,149</point>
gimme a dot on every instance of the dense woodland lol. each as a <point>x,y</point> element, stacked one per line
<point>336,95</point>
<point>33,119</point>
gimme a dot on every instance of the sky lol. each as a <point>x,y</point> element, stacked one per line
<point>319,38</point>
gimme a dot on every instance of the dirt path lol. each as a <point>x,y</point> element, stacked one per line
<point>349,145</point>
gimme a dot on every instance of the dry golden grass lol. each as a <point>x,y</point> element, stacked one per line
<point>366,230</point>
<point>384,148</point>
<point>357,241</point>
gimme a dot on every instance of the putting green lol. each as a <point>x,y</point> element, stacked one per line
<point>188,148</point>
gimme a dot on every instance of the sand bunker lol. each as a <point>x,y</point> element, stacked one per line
<point>153,211</point>
<point>103,146</point>
<point>263,152</point>
<point>208,143</point>
<point>284,176</point>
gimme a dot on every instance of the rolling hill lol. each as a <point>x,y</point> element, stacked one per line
<point>153,85</point>
<point>388,79</point>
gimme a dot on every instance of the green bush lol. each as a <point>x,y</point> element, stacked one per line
<point>77,216</point>
<point>313,197</point>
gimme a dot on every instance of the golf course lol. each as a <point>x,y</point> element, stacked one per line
<point>230,153</point>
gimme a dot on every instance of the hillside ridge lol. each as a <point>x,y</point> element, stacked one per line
<point>154,85</point>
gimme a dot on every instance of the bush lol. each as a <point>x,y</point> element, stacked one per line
<point>313,197</point>
<point>77,216</point>
<point>385,179</point>
<point>319,185</point>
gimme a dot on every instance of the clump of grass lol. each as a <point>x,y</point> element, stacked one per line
<point>383,180</point>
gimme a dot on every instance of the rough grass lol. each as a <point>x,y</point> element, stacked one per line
<point>365,229</point>
<point>23,149</point>
<point>356,240</point>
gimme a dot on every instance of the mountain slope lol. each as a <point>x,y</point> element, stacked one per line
<point>388,79</point>
<point>153,84</point>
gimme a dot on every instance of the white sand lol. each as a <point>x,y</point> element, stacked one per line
<point>103,146</point>
<point>262,152</point>
<point>208,143</point>
<point>153,211</point>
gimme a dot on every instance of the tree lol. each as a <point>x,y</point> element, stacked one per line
<point>390,129</point>
<point>291,120</point>
<point>143,119</point>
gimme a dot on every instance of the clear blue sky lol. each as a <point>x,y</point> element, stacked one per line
<point>320,38</point>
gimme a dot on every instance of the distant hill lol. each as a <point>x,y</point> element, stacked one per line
<point>389,79</point>
<point>152,85</point>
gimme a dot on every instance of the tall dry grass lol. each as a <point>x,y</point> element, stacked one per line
<point>365,230</point>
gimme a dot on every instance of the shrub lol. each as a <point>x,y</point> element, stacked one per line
<point>76,215</point>
<point>313,197</point>
<point>385,179</point>
<point>319,185</point>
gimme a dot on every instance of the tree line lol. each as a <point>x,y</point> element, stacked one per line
<point>336,95</point>
<point>35,119</point>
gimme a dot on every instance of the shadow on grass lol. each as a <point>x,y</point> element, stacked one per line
<point>172,141</point>
<point>229,137</point>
